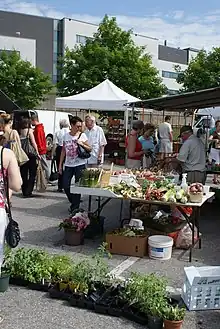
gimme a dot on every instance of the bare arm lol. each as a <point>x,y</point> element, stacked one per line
<point>86,146</point>
<point>171,136</point>
<point>33,142</point>
<point>131,148</point>
<point>62,156</point>
<point>14,176</point>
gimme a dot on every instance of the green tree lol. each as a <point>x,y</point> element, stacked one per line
<point>26,85</point>
<point>110,54</point>
<point>203,71</point>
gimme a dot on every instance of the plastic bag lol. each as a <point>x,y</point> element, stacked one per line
<point>184,238</point>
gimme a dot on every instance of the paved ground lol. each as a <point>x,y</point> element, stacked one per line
<point>39,218</point>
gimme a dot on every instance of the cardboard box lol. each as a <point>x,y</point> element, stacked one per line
<point>201,290</point>
<point>128,246</point>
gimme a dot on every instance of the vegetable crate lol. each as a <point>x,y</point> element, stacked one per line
<point>127,245</point>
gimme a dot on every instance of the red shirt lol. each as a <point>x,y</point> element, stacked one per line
<point>138,148</point>
<point>40,139</point>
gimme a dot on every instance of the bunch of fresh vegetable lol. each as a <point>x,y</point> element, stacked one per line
<point>196,188</point>
<point>125,190</point>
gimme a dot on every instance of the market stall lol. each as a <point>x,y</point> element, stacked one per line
<point>152,189</point>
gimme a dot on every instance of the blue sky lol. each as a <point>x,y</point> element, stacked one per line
<point>132,7</point>
<point>190,23</point>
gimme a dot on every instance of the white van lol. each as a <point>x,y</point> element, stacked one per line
<point>50,120</point>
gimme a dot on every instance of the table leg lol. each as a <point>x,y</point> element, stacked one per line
<point>120,216</point>
<point>193,236</point>
<point>198,227</point>
<point>99,207</point>
<point>90,203</point>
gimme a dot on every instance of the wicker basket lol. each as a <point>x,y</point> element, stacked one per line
<point>195,198</point>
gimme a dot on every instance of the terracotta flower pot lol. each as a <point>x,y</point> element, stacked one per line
<point>172,324</point>
<point>73,238</point>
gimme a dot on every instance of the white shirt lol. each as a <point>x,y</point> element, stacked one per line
<point>59,136</point>
<point>164,130</point>
<point>96,139</point>
<point>71,148</point>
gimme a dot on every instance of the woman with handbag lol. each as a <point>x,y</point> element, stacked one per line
<point>29,169</point>
<point>12,139</point>
<point>10,178</point>
<point>75,151</point>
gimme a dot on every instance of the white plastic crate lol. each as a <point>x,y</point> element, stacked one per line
<point>201,290</point>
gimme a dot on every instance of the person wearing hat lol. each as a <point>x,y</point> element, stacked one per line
<point>192,156</point>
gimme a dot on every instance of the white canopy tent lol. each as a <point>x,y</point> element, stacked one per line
<point>106,97</point>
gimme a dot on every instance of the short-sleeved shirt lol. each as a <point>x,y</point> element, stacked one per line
<point>192,154</point>
<point>164,130</point>
<point>96,139</point>
<point>147,144</point>
<point>59,136</point>
<point>71,147</point>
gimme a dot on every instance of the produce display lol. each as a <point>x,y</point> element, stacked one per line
<point>125,190</point>
<point>90,177</point>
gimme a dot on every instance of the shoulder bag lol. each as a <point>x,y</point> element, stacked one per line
<point>27,146</point>
<point>12,232</point>
<point>82,152</point>
<point>20,155</point>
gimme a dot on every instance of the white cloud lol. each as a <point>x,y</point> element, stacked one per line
<point>179,29</point>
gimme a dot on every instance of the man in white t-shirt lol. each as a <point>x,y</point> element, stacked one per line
<point>97,140</point>
<point>166,137</point>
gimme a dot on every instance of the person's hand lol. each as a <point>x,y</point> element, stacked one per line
<point>39,157</point>
<point>60,170</point>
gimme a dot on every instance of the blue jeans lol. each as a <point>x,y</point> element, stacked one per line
<point>68,174</point>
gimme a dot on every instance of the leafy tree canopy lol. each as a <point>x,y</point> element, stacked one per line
<point>26,85</point>
<point>203,71</point>
<point>110,54</point>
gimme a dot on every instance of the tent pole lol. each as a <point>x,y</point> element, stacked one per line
<point>126,122</point>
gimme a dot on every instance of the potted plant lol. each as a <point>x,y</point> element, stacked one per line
<point>74,227</point>
<point>4,272</point>
<point>173,317</point>
<point>29,266</point>
<point>148,292</point>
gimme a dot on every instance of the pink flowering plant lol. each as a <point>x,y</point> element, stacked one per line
<point>77,222</point>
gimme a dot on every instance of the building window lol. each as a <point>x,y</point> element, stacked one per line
<point>82,39</point>
<point>170,75</point>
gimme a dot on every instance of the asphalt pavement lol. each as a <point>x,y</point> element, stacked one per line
<point>39,218</point>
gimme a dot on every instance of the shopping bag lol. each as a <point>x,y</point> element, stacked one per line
<point>20,155</point>
<point>41,183</point>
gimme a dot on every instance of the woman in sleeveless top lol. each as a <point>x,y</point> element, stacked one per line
<point>11,135</point>
<point>134,147</point>
<point>29,169</point>
<point>11,169</point>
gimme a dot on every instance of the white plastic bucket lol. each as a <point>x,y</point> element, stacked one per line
<point>160,247</point>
